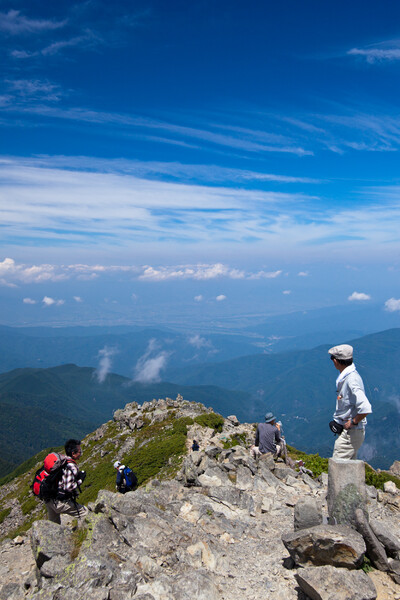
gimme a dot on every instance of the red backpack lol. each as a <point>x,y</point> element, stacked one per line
<point>45,482</point>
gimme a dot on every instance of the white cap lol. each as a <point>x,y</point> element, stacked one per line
<point>342,352</point>
<point>117,464</point>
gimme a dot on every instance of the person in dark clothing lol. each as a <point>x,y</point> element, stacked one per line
<point>268,438</point>
<point>126,479</point>
<point>195,446</point>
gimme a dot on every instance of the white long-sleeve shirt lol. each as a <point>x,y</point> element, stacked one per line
<point>351,399</point>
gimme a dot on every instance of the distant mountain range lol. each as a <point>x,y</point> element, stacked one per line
<point>43,407</point>
<point>126,345</point>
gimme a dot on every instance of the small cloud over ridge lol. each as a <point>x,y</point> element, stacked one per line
<point>358,297</point>
<point>392,305</point>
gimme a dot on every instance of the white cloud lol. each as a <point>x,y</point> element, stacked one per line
<point>78,299</point>
<point>199,272</point>
<point>47,301</point>
<point>28,301</point>
<point>29,274</point>
<point>134,296</point>
<point>105,363</point>
<point>265,275</point>
<point>359,296</point>
<point>303,274</point>
<point>198,298</point>
<point>287,292</point>
<point>14,23</point>
<point>199,342</point>
<point>392,305</point>
<point>148,367</point>
<point>220,298</point>
<point>374,55</point>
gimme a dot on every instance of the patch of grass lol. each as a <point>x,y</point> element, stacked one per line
<point>237,439</point>
<point>314,462</point>
<point>366,565</point>
<point>378,479</point>
<point>211,420</point>
<point>4,513</point>
<point>78,537</point>
<point>29,505</point>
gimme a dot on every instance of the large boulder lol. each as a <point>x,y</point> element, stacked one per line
<point>346,490</point>
<point>386,537</point>
<point>307,513</point>
<point>328,583</point>
<point>376,550</point>
<point>339,546</point>
<point>52,545</point>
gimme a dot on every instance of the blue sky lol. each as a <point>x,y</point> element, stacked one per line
<point>194,151</point>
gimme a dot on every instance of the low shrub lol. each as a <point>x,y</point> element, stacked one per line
<point>211,420</point>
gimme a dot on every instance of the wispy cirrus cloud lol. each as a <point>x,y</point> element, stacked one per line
<point>386,51</point>
<point>14,22</point>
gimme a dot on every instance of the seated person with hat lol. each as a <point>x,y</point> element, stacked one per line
<point>268,438</point>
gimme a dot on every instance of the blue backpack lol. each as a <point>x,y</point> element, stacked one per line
<point>130,479</point>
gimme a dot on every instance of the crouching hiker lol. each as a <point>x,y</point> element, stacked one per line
<point>58,483</point>
<point>268,438</point>
<point>126,478</point>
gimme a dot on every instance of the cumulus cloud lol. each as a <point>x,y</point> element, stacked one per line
<point>47,301</point>
<point>199,272</point>
<point>359,296</point>
<point>220,298</point>
<point>199,342</point>
<point>287,292</point>
<point>78,299</point>
<point>12,272</point>
<point>28,301</point>
<point>150,365</point>
<point>302,274</point>
<point>392,305</point>
<point>265,275</point>
<point>198,298</point>
<point>105,363</point>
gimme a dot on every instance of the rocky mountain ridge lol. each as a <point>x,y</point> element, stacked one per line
<point>213,524</point>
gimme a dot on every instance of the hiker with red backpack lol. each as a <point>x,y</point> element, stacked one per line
<point>58,483</point>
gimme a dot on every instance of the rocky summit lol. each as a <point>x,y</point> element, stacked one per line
<point>214,524</point>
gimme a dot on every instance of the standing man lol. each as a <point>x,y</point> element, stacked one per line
<point>65,501</point>
<point>268,438</point>
<point>352,405</point>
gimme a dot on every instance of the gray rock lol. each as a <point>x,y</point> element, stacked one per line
<point>395,468</point>
<point>375,549</point>
<point>328,583</point>
<point>50,540</point>
<point>385,536</point>
<point>53,567</point>
<point>346,490</point>
<point>312,484</point>
<point>196,458</point>
<point>195,585</point>
<point>233,420</point>
<point>282,471</point>
<point>266,474</point>
<point>212,451</point>
<point>244,478</point>
<point>12,591</point>
<point>245,460</point>
<point>189,472</point>
<point>339,546</point>
<point>390,488</point>
<point>267,460</point>
<point>307,513</point>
